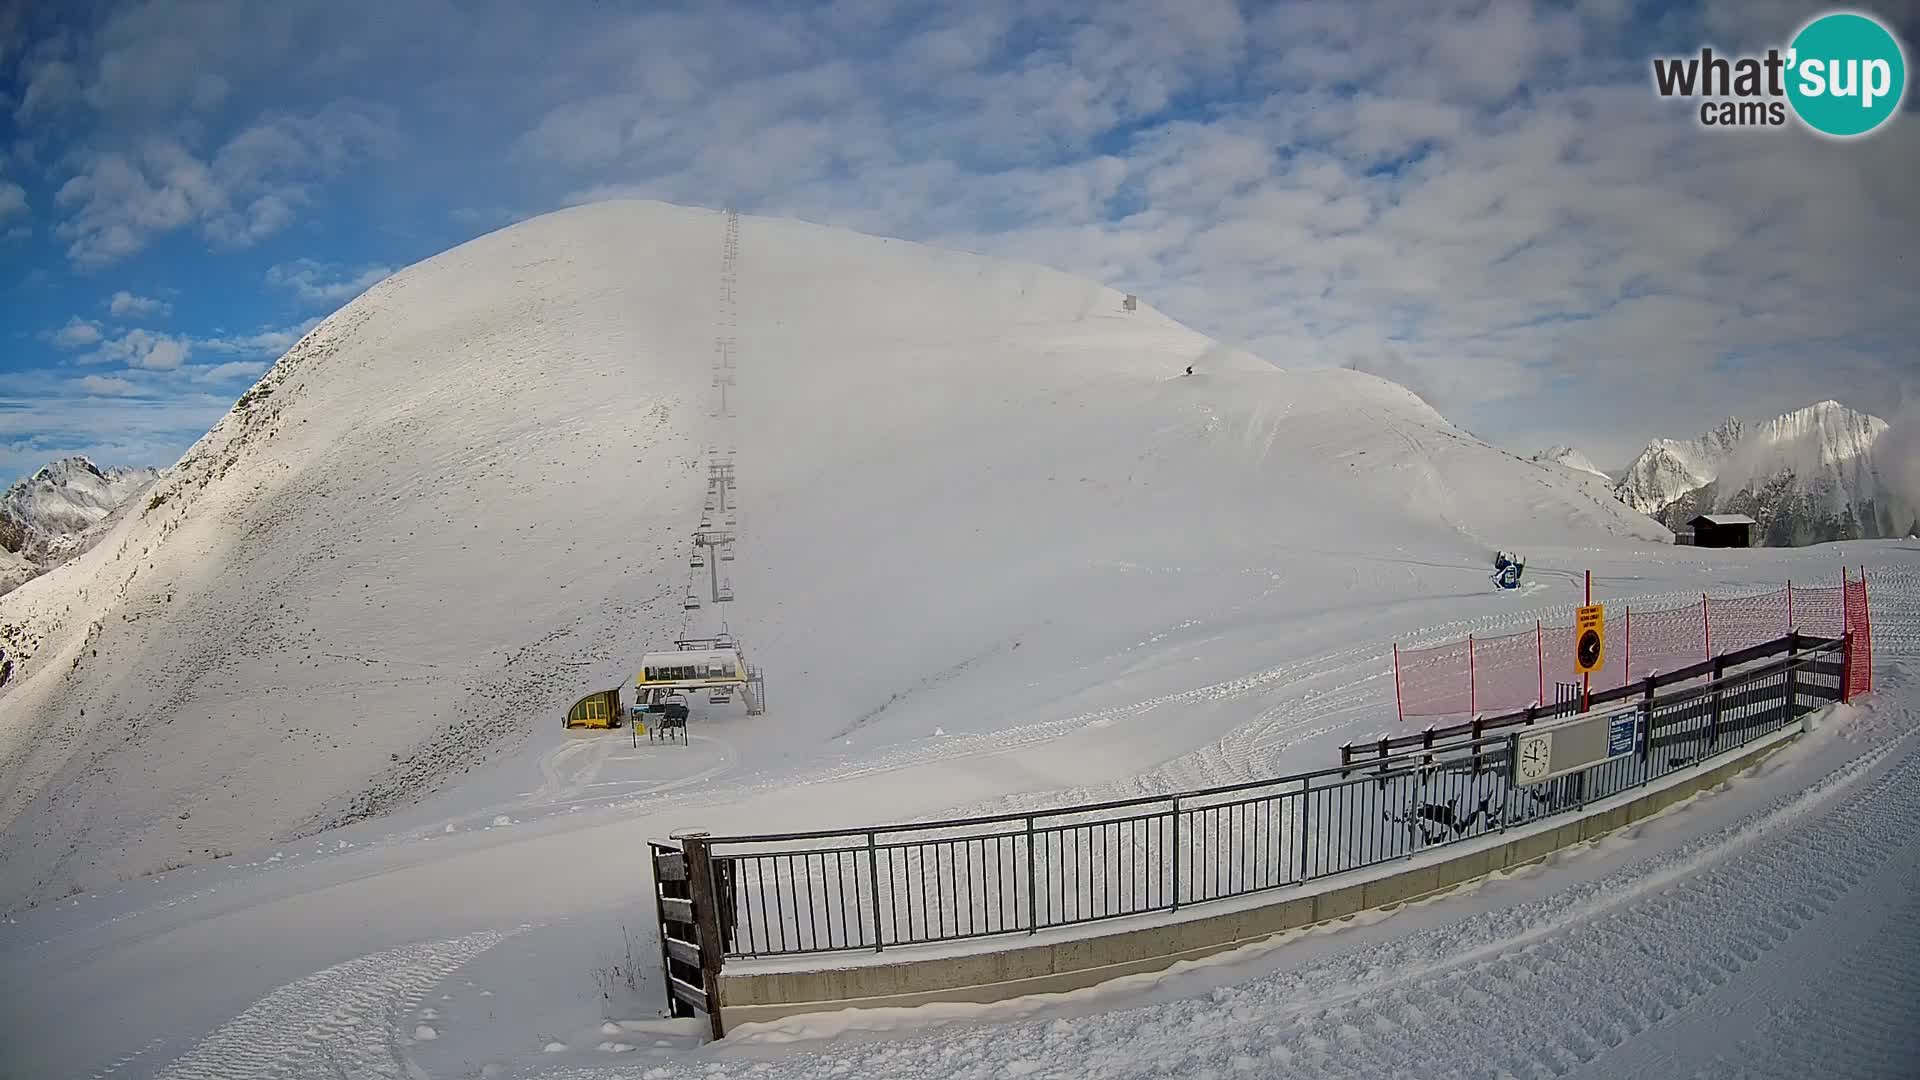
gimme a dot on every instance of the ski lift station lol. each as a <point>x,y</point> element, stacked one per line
<point>713,665</point>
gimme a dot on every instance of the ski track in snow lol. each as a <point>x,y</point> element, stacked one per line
<point>1633,973</point>
<point>1245,753</point>
<point>336,1022</point>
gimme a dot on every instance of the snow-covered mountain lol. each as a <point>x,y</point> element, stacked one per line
<point>1571,458</point>
<point>1669,468</point>
<point>1806,477</point>
<point>57,513</point>
<point>465,499</point>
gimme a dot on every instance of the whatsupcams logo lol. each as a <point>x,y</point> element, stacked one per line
<point>1844,74</point>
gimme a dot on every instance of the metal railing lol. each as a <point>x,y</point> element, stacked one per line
<point>908,884</point>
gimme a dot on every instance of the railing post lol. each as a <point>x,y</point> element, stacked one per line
<point>1177,853</point>
<point>1306,793</point>
<point>1846,654</point>
<point>1033,886</point>
<point>1793,678</point>
<point>1713,716</point>
<point>873,882</point>
<point>706,917</point>
<point>1646,722</point>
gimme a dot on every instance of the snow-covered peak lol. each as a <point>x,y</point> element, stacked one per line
<point>1571,458</point>
<point>1669,468</point>
<point>50,516</point>
<point>1806,476</point>
<point>1826,433</point>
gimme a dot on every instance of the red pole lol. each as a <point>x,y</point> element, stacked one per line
<point>1789,605</point>
<point>1540,659</point>
<point>1846,634</point>
<point>1706,625</point>
<point>1627,675</point>
<point>1586,678</point>
<point>1473,689</point>
<point>1397,706</point>
<point>1866,619</point>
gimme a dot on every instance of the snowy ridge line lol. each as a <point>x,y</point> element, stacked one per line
<point>335,1022</point>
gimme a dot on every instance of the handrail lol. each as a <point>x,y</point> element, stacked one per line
<point>1805,645</point>
<point>1790,643</point>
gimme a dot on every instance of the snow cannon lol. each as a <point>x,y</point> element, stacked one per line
<point>1507,570</point>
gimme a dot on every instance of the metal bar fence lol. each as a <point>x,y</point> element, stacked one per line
<point>1498,674</point>
<point>876,888</point>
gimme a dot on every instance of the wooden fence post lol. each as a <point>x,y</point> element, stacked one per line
<point>706,915</point>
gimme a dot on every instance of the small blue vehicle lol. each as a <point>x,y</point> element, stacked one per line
<point>1507,569</point>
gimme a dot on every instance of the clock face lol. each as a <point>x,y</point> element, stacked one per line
<point>1535,752</point>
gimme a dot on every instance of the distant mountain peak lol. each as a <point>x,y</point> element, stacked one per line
<point>55,514</point>
<point>1805,476</point>
<point>1572,459</point>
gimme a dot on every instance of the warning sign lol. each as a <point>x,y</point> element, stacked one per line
<point>1590,638</point>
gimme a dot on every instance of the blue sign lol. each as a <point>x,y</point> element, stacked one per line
<point>1620,731</point>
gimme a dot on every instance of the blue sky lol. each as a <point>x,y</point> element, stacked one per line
<point>1482,200</point>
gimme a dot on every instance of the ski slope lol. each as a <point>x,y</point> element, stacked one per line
<point>967,487</point>
<point>996,551</point>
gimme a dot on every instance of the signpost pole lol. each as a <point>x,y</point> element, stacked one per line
<point>1586,678</point>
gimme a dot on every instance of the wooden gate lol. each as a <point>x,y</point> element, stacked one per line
<point>687,894</point>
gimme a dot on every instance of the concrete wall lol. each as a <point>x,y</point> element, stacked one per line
<point>996,969</point>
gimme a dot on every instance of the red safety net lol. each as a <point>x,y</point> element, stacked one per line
<point>1860,648</point>
<point>1437,681</point>
<point>1513,671</point>
<point>1818,612</point>
<point>1506,669</point>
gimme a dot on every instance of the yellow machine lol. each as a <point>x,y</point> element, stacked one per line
<point>600,709</point>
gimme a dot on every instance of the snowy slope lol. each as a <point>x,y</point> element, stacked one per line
<point>55,513</point>
<point>1669,468</point>
<point>968,489</point>
<point>481,946</point>
<point>1571,458</point>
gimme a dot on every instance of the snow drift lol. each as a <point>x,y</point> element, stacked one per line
<point>465,499</point>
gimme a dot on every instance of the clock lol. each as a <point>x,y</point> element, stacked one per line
<point>1533,757</point>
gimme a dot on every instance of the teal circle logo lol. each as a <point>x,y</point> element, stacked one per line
<point>1846,74</point>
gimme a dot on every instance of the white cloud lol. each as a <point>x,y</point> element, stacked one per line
<point>232,369</point>
<point>269,342</point>
<point>78,333</point>
<point>1481,197</point>
<point>324,284</point>
<point>166,354</point>
<point>106,385</point>
<point>142,349</point>
<point>245,191</point>
<point>13,199</point>
<point>125,303</point>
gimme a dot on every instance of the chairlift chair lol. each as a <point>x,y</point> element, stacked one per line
<point>719,695</point>
<point>725,592</point>
<point>693,601</point>
<point>726,554</point>
<point>699,560</point>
